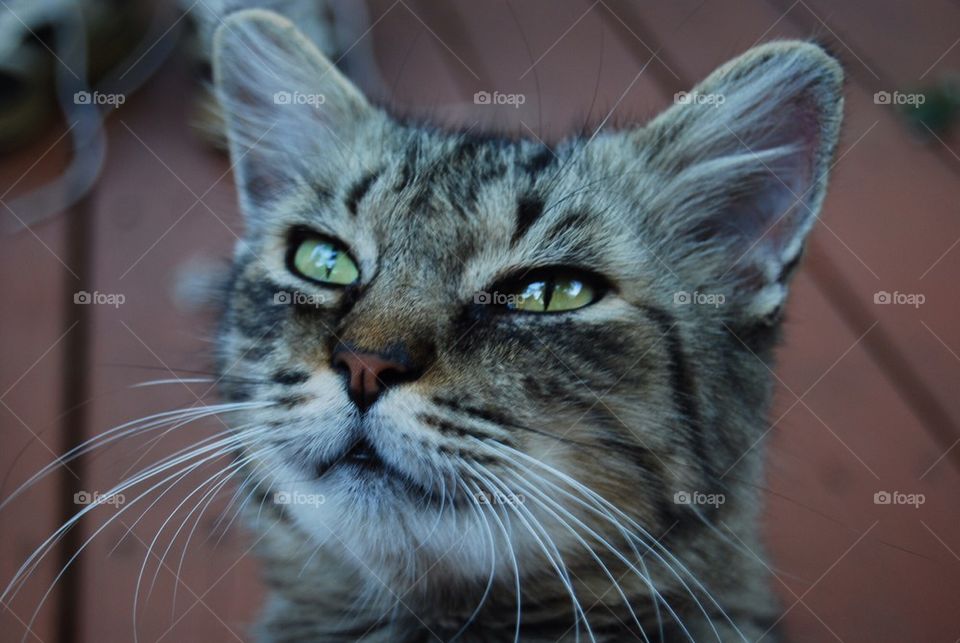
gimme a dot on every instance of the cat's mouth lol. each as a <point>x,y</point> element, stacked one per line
<point>362,461</point>
<point>364,455</point>
<point>360,455</point>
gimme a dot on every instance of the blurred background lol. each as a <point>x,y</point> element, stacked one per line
<point>116,215</point>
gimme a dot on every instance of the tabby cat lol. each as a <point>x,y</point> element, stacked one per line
<point>499,391</point>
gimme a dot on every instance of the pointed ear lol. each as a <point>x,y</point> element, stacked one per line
<point>742,163</point>
<point>289,112</point>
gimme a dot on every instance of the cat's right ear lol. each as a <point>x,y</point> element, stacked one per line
<point>289,113</point>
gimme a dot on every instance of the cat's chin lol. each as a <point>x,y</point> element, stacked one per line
<point>357,487</point>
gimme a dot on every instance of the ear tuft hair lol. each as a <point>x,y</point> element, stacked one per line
<point>743,160</point>
<point>286,104</point>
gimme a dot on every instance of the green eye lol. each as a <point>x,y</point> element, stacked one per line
<point>324,261</point>
<point>552,295</point>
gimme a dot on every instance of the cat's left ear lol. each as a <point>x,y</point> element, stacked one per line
<point>289,112</point>
<point>741,163</point>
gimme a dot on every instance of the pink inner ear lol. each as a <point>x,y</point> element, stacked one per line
<point>765,206</point>
<point>785,205</point>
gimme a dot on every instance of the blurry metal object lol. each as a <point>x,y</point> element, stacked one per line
<point>30,35</point>
<point>73,52</point>
<point>49,51</point>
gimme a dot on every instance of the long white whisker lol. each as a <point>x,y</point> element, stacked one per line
<point>653,541</point>
<point>643,574</point>
<point>227,473</point>
<point>209,495</point>
<point>559,566</point>
<point>516,567</point>
<point>481,519</point>
<point>223,530</point>
<point>150,422</point>
<point>176,380</point>
<point>530,489</point>
<point>156,469</point>
<point>45,547</point>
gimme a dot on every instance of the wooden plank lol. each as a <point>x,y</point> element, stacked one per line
<point>148,227</point>
<point>558,58</point>
<point>900,46</point>
<point>33,344</point>
<point>849,439</point>
<point>414,61</point>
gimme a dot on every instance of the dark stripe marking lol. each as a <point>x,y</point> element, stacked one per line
<point>682,383</point>
<point>529,209</point>
<point>322,192</point>
<point>288,377</point>
<point>571,221</point>
<point>359,190</point>
<point>540,161</point>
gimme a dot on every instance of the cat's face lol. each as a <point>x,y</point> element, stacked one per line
<point>438,324</point>
<point>446,269</point>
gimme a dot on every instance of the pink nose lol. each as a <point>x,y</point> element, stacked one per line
<point>369,375</point>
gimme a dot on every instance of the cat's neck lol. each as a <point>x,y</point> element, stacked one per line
<point>324,594</point>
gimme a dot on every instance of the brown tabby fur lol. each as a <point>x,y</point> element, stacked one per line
<point>633,399</point>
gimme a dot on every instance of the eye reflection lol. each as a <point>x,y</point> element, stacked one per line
<point>324,261</point>
<point>556,294</point>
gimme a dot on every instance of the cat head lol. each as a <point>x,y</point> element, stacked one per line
<point>447,330</point>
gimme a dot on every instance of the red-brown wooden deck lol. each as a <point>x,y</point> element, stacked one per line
<point>868,394</point>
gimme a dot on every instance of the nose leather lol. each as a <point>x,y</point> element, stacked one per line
<point>369,374</point>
